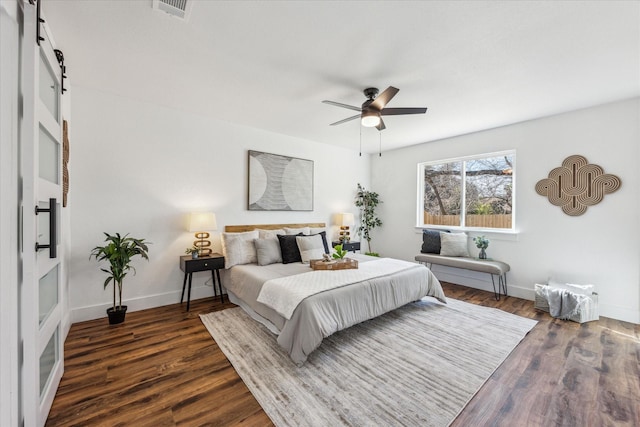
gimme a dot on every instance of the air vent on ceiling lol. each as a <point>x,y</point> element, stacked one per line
<point>177,8</point>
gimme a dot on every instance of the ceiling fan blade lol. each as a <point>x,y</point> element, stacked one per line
<point>398,111</point>
<point>381,126</point>
<point>384,98</point>
<point>357,116</point>
<point>338,104</point>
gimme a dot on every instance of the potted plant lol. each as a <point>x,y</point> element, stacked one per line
<point>119,251</point>
<point>194,251</point>
<point>482,243</point>
<point>367,201</point>
<point>339,252</point>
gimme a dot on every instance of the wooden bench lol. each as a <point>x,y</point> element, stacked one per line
<point>494,268</point>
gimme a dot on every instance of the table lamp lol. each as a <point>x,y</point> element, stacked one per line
<point>346,220</point>
<point>200,223</point>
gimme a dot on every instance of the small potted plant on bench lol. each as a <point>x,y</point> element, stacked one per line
<point>482,243</point>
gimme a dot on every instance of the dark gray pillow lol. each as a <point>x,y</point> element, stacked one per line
<point>431,241</point>
<point>289,248</point>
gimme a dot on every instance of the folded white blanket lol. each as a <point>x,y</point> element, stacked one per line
<point>286,293</point>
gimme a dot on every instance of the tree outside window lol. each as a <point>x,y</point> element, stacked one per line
<point>472,192</point>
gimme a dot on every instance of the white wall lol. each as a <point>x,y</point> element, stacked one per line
<point>140,168</point>
<point>599,247</point>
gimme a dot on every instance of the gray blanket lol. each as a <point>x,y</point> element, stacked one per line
<point>563,304</point>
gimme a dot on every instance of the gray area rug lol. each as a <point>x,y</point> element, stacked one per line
<point>418,365</point>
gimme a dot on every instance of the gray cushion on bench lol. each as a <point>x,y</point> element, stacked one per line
<point>484,266</point>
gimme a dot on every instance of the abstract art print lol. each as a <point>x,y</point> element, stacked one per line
<point>279,183</point>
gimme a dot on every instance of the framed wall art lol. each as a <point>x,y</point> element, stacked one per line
<point>279,183</point>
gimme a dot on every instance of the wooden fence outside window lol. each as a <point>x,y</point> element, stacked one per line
<point>482,221</point>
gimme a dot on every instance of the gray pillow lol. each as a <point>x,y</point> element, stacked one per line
<point>294,231</point>
<point>270,234</point>
<point>454,244</point>
<point>268,251</point>
<point>238,248</point>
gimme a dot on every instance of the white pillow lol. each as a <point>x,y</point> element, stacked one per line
<point>238,248</point>
<point>317,230</point>
<point>293,231</point>
<point>311,247</point>
<point>454,244</point>
<point>270,234</point>
<point>268,251</point>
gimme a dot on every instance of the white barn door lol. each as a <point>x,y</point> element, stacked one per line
<point>41,292</point>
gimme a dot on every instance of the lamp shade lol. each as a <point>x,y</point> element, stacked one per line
<point>370,119</point>
<point>346,219</point>
<point>202,221</point>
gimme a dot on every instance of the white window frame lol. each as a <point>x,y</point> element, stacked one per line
<point>421,188</point>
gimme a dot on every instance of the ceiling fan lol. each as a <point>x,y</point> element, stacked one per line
<point>373,108</point>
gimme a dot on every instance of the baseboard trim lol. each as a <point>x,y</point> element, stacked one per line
<point>81,314</point>
<point>477,281</point>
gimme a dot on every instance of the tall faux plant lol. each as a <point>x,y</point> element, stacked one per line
<point>119,252</point>
<point>367,201</point>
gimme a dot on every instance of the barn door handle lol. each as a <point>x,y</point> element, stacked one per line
<point>53,235</point>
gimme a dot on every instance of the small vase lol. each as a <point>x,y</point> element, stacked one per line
<point>482,254</point>
<point>194,255</point>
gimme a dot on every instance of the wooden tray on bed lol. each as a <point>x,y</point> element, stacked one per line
<point>334,264</point>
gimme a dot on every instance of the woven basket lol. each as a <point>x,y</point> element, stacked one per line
<point>587,313</point>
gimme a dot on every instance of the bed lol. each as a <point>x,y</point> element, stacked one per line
<point>302,306</point>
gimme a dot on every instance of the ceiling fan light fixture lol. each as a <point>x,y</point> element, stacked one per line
<point>374,108</point>
<point>370,119</point>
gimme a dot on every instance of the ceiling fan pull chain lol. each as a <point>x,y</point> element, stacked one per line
<point>360,127</point>
<point>380,146</point>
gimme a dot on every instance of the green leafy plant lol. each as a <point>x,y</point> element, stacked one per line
<point>367,201</point>
<point>119,252</point>
<point>340,253</point>
<point>481,242</point>
<point>192,250</point>
<point>482,209</point>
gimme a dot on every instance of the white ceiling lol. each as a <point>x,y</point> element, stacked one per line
<point>267,64</point>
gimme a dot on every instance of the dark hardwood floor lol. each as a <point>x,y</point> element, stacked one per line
<point>162,368</point>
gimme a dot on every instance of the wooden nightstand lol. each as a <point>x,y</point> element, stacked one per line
<point>189,265</point>
<point>349,246</point>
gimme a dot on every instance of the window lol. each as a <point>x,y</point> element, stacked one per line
<point>470,192</point>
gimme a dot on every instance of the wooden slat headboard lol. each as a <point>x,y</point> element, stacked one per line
<point>242,228</point>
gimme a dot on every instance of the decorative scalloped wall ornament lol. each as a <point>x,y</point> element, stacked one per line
<point>576,185</point>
